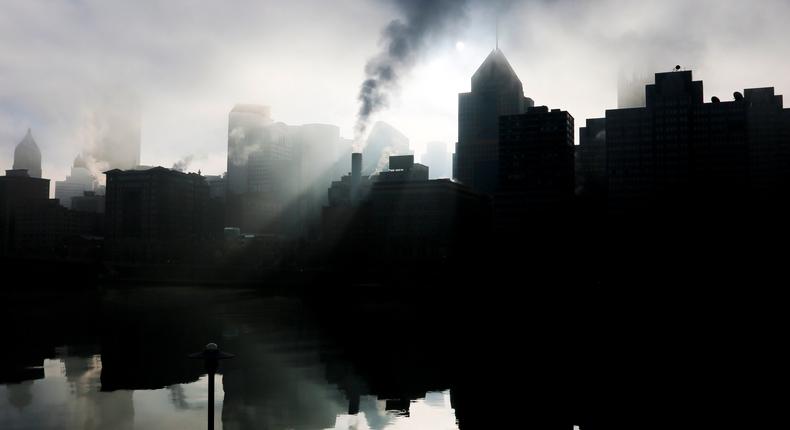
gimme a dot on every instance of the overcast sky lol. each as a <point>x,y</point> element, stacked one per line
<point>190,62</point>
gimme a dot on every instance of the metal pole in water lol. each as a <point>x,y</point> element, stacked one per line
<point>211,356</point>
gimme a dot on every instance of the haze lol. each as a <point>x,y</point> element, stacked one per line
<point>189,63</point>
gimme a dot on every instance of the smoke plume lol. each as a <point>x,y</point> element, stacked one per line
<point>402,42</point>
<point>182,164</point>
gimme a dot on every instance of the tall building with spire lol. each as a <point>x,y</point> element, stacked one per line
<point>27,156</point>
<point>496,91</point>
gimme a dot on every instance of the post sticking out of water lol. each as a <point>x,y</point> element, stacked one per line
<point>211,356</point>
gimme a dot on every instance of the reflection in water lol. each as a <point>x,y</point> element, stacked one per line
<point>69,397</point>
<point>126,369</point>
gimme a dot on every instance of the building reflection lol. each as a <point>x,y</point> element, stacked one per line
<point>90,408</point>
<point>126,367</point>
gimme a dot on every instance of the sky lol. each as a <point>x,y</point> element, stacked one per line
<point>188,62</point>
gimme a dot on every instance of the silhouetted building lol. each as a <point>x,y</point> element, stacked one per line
<point>33,225</point>
<point>679,155</point>
<point>352,187</point>
<point>536,169</point>
<point>383,141</point>
<point>422,220</point>
<point>439,160</point>
<point>155,215</point>
<point>45,228</point>
<point>17,191</point>
<point>591,175</point>
<point>80,181</point>
<point>217,186</point>
<point>27,156</point>
<point>496,91</point>
<point>342,223</point>
<point>402,216</point>
<point>89,201</point>
<point>403,168</point>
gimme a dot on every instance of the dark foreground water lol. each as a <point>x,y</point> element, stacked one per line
<point>117,360</point>
<point>421,356</point>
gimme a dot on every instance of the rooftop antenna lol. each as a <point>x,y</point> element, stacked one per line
<point>496,31</point>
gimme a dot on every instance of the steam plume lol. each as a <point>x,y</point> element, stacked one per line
<point>182,164</point>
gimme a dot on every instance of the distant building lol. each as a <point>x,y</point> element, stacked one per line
<point>80,181</point>
<point>536,168</point>
<point>155,215</point>
<point>246,134</point>
<point>383,141</point>
<point>27,156</point>
<point>438,159</point>
<point>631,91</point>
<point>317,148</point>
<point>278,174</point>
<point>496,91</point>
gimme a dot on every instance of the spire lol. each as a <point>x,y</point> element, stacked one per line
<point>496,30</point>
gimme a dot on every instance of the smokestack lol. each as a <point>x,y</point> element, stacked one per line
<point>356,175</point>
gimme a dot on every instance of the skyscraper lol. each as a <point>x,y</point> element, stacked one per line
<point>496,91</point>
<point>246,129</point>
<point>438,159</point>
<point>27,156</point>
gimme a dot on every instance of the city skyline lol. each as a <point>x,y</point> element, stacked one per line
<point>186,97</point>
<point>393,214</point>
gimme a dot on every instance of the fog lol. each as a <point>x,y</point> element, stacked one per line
<point>189,64</point>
